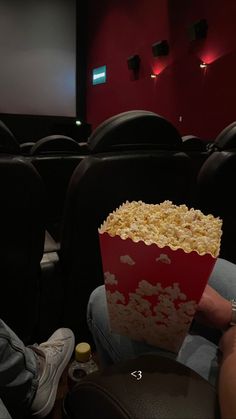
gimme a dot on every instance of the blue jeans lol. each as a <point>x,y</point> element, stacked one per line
<point>197,352</point>
<point>18,375</point>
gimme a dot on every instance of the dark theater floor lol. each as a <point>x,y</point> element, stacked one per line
<point>57,412</point>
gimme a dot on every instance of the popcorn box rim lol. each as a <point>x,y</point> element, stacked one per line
<point>173,249</point>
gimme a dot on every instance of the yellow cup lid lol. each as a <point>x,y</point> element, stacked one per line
<point>82,352</point>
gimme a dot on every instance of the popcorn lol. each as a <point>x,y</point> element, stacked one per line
<point>163,258</point>
<point>166,224</point>
<point>110,278</point>
<point>165,325</point>
<point>156,261</point>
<point>127,259</point>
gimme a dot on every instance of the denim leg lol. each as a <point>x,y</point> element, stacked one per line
<point>18,373</point>
<point>223,278</point>
<point>196,352</point>
<point>4,414</point>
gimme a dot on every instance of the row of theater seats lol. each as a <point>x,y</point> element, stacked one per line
<point>56,156</point>
<point>122,131</point>
<point>35,297</point>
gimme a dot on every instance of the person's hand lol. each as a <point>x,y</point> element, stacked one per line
<point>227,343</point>
<point>213,310</point>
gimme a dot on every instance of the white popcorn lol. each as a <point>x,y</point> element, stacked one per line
<point>114,297</point>
<point>145,288</point>
<point>127,259</point>
<point>165,324</point>
<point>163,258</point>
<point>166,224</point>
<point>110,279</point>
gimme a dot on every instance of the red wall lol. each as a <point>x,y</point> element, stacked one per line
<point>204,98</point>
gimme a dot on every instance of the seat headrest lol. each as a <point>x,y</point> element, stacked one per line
<point>8,143</point>
<point>26,147</point>
<point>193,143</point>
<point>84,148</point>
<point>137,127</point>
<point>226,138</point>
<point>55,144</point>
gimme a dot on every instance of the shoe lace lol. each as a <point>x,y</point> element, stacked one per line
<point>52,349</point>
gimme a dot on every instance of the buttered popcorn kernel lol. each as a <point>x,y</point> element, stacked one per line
<point>166,224</point>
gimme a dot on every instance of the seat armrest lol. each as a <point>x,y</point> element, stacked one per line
<point>148,386</point>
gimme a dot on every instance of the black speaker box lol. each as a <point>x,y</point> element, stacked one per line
<point>160,48</point>
<point>133,62</point>
<point>198,30</point>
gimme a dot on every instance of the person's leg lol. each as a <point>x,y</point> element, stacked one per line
<point>4,414</point>
<point>223,278</point>
<point>29,375</point>
<point>196,352</point>
<point>18,372</point>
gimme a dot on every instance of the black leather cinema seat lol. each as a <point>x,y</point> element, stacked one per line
<point>167,390</point>
<point>99,185</point>
<point>196,149</point>
<point>55,144</point>
<point>128,130</point>
<point>55,171</point>
<point>21,244</point>
<point>227,138</point>
<point>215,181</point>
<point>8,143</point>
<point>25,148</point>
<point>84,148</point>
<point>193,143</point>
<point>215,196</point>
<point>55,158</point>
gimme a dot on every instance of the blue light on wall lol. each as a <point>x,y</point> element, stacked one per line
<point>99,75</point>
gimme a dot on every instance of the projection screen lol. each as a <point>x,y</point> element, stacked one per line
<point>38,57</point>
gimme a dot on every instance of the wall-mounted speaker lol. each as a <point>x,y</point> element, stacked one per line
<point>198,30</point>
<point>160,48</point>
<point>133,62</point>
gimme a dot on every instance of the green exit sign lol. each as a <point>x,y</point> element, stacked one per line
<point>100,75</point>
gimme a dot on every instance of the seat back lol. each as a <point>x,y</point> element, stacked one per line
<point>227,138</point>
<point>133,129</point>
<point>55,157</point>
<point>55,171</point>
<point>193,143</point>
<point>196,149</point>
<point>55,144</point>
<point>99,185</point>
<point>22,241</point>
<point>26,148</point>
<point>215,196</point>
<point>8,143</point>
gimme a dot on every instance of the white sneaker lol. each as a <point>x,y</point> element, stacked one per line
<point>57,352</point>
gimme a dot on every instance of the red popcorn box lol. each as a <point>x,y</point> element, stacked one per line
<point>152,292</point>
